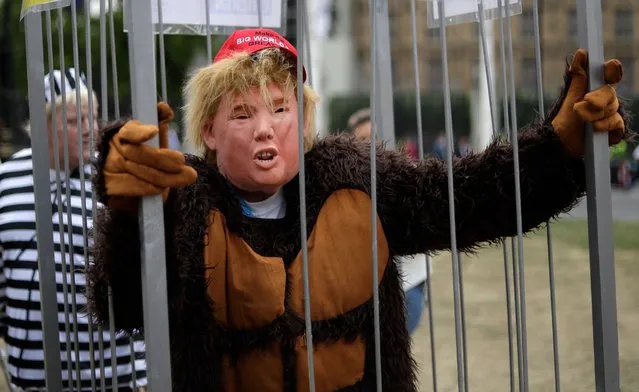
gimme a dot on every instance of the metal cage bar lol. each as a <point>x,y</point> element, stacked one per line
<point>602,266</point>
<point>154,290</point>
<point>44,225</point>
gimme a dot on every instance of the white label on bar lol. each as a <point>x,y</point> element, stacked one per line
<point>222,13</point>
<point>461,8</point>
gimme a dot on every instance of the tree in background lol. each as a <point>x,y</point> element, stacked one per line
<point>180,51</point>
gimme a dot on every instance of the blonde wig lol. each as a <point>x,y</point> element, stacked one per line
<point>236,75</point>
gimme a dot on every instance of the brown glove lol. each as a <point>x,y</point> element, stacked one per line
<point>134,169</point>
<point>599,107</point>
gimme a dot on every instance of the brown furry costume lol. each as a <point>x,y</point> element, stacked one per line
<point>233,329</point>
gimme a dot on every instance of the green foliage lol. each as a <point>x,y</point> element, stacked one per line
<point>179,53</point>
<point>432,112</point>
<point>405,113</point>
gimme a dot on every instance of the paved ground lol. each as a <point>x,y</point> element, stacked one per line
<point>486,315</point>
<point>625,205</point>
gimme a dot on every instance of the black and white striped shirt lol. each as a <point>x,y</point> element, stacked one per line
<point>19,286</point>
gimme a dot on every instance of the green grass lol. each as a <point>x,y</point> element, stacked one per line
<point>574,232</point>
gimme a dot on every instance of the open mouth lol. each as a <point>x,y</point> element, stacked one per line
<point>266,158</point>
<point>266,155</point>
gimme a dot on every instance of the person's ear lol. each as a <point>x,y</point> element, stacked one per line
<point>208,135</point>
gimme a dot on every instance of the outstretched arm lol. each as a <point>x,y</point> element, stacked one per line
<point>413,201</point>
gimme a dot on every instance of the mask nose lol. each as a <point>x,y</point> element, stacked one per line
<point>264,129</point>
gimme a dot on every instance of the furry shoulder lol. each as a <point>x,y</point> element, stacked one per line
<point>345,161</point>
<point>208,184</point>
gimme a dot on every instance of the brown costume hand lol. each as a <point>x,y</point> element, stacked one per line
<point>599,107</point>
<point>133,169</point>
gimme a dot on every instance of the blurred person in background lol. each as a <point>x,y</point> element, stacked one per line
<point>21,322</point>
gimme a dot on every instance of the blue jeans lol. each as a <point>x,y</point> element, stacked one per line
<point>415,306</point>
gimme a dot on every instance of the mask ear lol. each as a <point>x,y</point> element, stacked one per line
<point>208,136</point>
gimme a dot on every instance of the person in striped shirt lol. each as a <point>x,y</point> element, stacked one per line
<point>85,350</point>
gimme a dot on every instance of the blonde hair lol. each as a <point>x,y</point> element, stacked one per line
<point>236,75</point>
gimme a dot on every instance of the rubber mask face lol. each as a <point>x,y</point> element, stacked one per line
<point>256,143</point>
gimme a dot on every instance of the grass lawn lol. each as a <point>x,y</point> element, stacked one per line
<point>486,316</point>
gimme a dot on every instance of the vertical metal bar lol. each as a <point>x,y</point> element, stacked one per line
<point>105,117</point>
<point>58,198</point>
<point>538,63</point>
<point>307,48</point>
<point>375,104</point>
<point>116,114</point>
<point>83,187</point>
<point>384,74</point>
<point>103,63</point>
<point>165,97</point>
<point>493,119</point>
<point>451,198</point>
<point>602,266</point>
<point>113,342</point>
<point>511,364</point>
<point>132,359</point>
<point>154,290</point>
<point>209,48</point>
<point>78,105</point>
<point>418,98</point>
<point>551,263</point>
<point>301,9</point>
<point>44,225</point>
<point>259,13</point>
<point>87,21</point>
<point>462,313</point>
<point>553,308</point>
<point>431,326</point>
<point>114,68</point>
<point>63,249</point>
<point>502,48</point>
<point>517,296</point>
<point>86,242</point>
<point>420,149</point>
<point>523,379</point>
<point>489,72</point>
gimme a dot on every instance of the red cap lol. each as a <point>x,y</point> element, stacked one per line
<point>254,40</point>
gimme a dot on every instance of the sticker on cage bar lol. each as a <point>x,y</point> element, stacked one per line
<point>467,11</point>
<point>31,6</point>
<point>188,17</point>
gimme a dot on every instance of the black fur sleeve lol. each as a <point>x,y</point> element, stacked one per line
<point>117,263</point>
<point>412,196</point>
<point>116,252</point>
<point>414,201</point>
